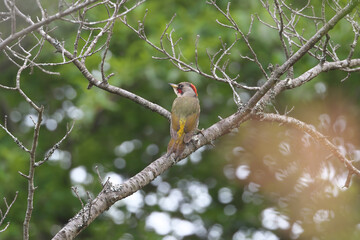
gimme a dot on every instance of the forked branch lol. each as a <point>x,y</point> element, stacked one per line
<point>3,215</point>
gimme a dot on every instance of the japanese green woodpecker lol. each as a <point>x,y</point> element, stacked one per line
<point>185,113</point>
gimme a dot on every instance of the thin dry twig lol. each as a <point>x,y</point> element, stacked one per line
<point>44,22</point>
<point>3,215</point>
<point>17,141</point>
<point>180,64</point>
<point>31,175</point>
<point>233,25</point>
<point>293,122</point>
<point>55,147</point>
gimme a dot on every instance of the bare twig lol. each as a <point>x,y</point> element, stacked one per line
<point>299,12</point>
<point>75,190</point>
<point>299,54</point>
<point>3,216</point>
<point>281,28</point>
<point>356,30</point>
<point>183,66</point>
<point>81,66</point>
<point>31,187</point>
<point>348,179</point>
<point>98,174</point>
<point>56,146</point>
<point>196,52</point>
<point>17,141</point>
<point>327,38</point>
<point>46,21</point>
<point>234,26</point>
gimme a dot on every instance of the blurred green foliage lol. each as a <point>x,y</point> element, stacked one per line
<point>264,182</point>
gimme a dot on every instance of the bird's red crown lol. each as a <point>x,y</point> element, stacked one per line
<point>193,88</point>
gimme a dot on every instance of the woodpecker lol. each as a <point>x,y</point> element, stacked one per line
<point>185,114</point>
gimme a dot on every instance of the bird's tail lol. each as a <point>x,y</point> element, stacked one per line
<point>176,146</point>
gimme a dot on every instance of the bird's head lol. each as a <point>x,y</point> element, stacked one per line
<point>184,89</point>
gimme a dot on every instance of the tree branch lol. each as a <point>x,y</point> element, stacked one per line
<point>180,64</point>
<point>92,80</point>
<point>301,52</point>
<point>234,26</point>
<point>113,193</point>
<point>293,122</point>
<point>56,146</point>
<point>344,65</point>
<point>17,141</point>
<point>30,176</point>
<point>34,26</point>
<point>3,216</point>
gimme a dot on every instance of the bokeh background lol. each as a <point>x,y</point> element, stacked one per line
<point>263,181</point>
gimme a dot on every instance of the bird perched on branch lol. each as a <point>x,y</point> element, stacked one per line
<point>185,113</point>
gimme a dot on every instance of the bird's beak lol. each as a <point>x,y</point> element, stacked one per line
<point>173,85</point>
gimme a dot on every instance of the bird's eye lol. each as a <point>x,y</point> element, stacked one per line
<point>179,89</point>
